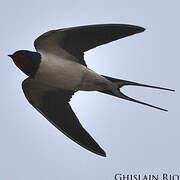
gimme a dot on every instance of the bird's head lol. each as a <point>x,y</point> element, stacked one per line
<point>27,61</point>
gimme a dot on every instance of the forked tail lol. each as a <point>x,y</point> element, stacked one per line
<point>120,83</point>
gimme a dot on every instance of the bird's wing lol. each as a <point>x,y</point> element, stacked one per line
<point>73,42</point>
<point>53,104</point>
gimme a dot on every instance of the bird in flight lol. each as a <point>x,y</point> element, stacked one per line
<point>57,70</point>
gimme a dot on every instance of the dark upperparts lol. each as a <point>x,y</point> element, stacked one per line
<point>27,61</point>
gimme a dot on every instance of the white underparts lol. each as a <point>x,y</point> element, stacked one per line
<point>69,75</point>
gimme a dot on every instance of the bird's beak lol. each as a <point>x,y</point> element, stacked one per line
<point>11,56</point>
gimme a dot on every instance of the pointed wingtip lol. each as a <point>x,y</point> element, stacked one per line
<point>103,154</point>
<point>137,29</point>
<point>141,29</point>
<point>99,151</point>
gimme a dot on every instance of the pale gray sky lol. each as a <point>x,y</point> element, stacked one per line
<point>137,139</point>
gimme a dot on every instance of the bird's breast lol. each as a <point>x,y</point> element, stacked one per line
<point>61,73</point>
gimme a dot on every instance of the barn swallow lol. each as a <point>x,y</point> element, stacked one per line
<point>57,70</point>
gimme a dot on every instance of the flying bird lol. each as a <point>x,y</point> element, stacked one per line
<point>57,70</point>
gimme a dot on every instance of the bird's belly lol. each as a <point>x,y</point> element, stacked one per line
<point>63,74</point>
